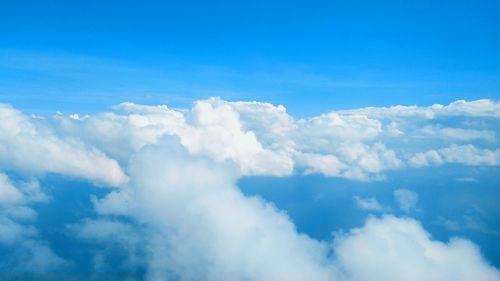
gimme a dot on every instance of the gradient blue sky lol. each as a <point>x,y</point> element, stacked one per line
<point>311,56</point>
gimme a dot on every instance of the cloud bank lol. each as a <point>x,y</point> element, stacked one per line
<point>178,214</point>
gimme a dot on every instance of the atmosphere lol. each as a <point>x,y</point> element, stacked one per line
<point>252,141</point>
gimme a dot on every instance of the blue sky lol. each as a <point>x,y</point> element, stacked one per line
<point>309,56</point>
<point>267,140</point>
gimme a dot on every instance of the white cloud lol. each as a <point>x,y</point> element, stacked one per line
<point>27,252</point>
<point>476,108</point>
<point>199,220</point>
<point>456,134</point>
<point>428,158</point>
<point>202,228</point>
<point>352,161</point>
<point>460,154</point>
<point>30,148</point>
<point>396,249</point>
<point>406,199</point>
<point>183,215</point>
<point>8,193</point>
<point>370,203</point>
<point>466,179</point>
<point>262,139</point>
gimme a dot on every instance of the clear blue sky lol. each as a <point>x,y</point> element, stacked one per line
<point>311,56</point>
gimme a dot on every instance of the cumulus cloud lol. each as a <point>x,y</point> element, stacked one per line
<point>260,138</point>
<point>370,203</point>
<point>263,139</point>
<point>406,199</point>
<point>25,254</point>
<point>179,214</point>
<point>461,154</point>
<point>408,253</point>
<point>30,148</point>
<point>457,134</point>
<point>205,224</point>
<point>204,228</point>
<point>477,108</point>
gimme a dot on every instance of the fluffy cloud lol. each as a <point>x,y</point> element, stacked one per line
<point>8,193</point>
<point>179,214</point>
<point>25,253</point>
<point>27,147</point>
<point>205,224</point>
<point>477,108</point>
<point>260,138</point>
<point>203,228</point>
<point>355,161</point>
<point>457,134</point>
<point>406,199</point>
<point>370,203</point>
<point>461,154</point>
<point>408,253</point>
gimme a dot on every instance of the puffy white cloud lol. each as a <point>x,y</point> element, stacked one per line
<point>30,148</point>
<point>470,155</point>
<point>27,252</point>
<point>212,128</point>
<point>203,228</point>
<point>460,154</point>
<point>476,108</point>
<point>198,220</point>
<point>352,161</point>
<point>8,193</point>
<point>457,134</point>
<point>260,138</point>
<point>428,158</point>
<point>218,132</point>
<point>396,249</point>
<point>323,130</point>
<point>406,199</point>
<point>183,216</point>
<point>272,123</point>
<point>370,203</point>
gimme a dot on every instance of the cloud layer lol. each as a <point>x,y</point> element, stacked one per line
<point>177,213</point>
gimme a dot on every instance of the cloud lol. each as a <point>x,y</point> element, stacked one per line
<point>457,134</point>
<point>25,253</point>
<point>406,199</point>
<point>204,223</point>
<point>203,228</point>
<point>391,248</point>
<point>466,179</point>
<point>476,108</point>
<point>28,147</point>
<point>8,193</point>
<point>179,214</point>
<point>370,204</point>
<point>460,154</point>
<point>263,139</point>
<point>211,128</point>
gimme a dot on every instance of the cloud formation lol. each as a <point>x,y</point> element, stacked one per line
<point>262,139</point>
<point>406,199</point>
<point>203,228</point>
<point>391,248</point>
<point>178,214</point>
<point>459,154</point>
<point>23,252</point>
<point>30,147</point>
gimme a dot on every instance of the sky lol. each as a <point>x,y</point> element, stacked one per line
<point>308,55</point>
<point>268,140</point>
